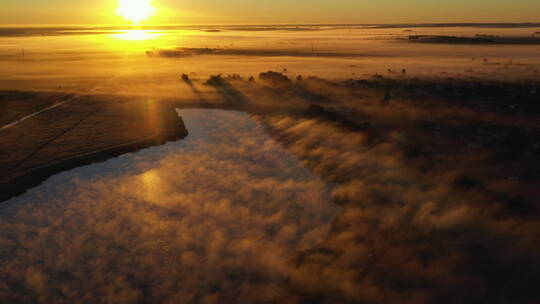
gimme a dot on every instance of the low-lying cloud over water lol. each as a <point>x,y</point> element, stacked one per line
<point>215,218</point>
<point>230,215</point>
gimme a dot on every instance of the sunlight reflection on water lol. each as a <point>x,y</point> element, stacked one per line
<point>137,35</point>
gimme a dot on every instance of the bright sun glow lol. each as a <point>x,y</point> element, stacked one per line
<point>136,11</point>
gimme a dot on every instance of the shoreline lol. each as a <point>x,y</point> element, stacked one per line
<point>84,131</point>
<point>18,185</point>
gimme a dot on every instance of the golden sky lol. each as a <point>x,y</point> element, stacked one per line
<point>272,11</point>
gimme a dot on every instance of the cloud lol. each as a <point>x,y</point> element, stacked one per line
<point>405,235</point>
<point>234,215</point>
<point>213,218</point>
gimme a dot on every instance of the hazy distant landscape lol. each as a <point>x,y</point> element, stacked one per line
<point>115,60</point>
<point>375,163</point>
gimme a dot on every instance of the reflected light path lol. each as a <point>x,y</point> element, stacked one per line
<point>220,214</point>
<point>137,35</point>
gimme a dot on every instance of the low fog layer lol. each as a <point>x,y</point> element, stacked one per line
<point>214,218</point>
<point>409,234</point>
<point>436,178</point>
<point>117,61</point>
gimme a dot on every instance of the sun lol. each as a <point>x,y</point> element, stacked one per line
<point>136,11</point>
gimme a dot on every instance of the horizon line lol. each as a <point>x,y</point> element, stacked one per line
<point>406,24</point>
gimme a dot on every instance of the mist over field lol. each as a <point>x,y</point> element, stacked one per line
<point>117,61</point>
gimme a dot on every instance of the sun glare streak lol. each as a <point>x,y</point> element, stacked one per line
<point>136,11</point>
